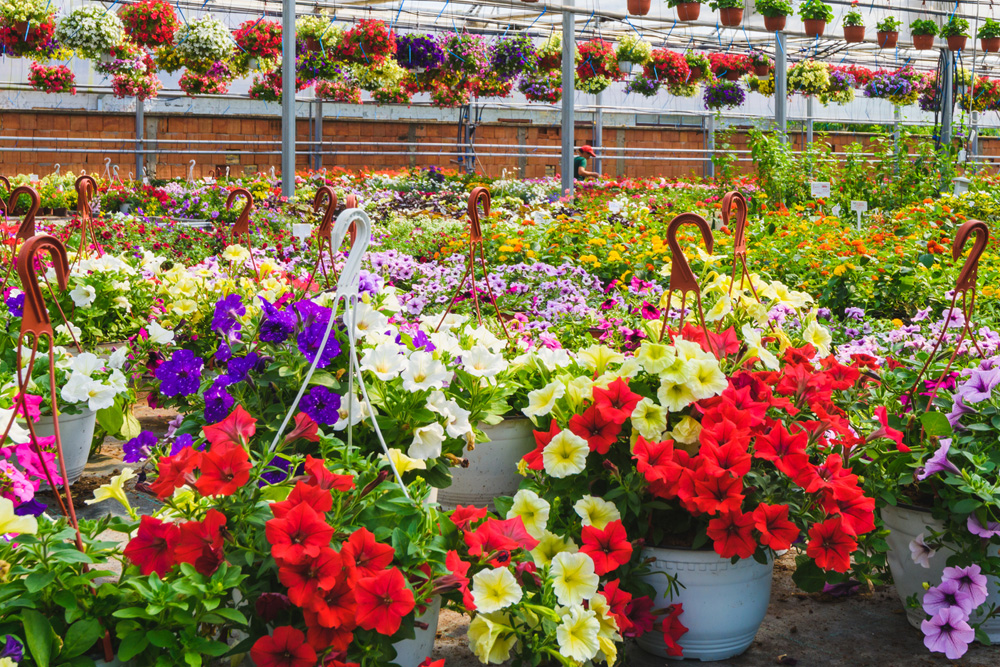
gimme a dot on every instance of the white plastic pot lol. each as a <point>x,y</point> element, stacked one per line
<point>414,651</point>
<point>77,433</point>
<point>724,604</point>
<point>905,524</point>
<point>625,66</point>
<point>492,467</point>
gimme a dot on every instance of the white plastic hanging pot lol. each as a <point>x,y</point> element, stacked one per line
<point>414,651</point>
<point>625,66</point>
<point>492,467</point>
<point>724,604</point>
<point>77,433</point>
<point>905,524</point>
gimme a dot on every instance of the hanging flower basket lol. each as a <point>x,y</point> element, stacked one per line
<point>667,66</point>
<point>419,52</point>
<point>723,95</point>
<point>775,23</point>
<point>202,42</point>
<point>259,39</point>
<point>854,34</point>
<point>957,42</point>
<point>544,87</point>
<point>887,40</point>
<point>369,42</point>
<point>639,7</point>
<point>52,79</point>
<point>814,27</point>
<point>511,56</point>
<point>91,31</point>
<point>150,23</point>
<point>731,16</point>
<point>338,91</point>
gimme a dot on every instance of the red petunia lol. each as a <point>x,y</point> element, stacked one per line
<point>618,601</point>
<point>830,545</point>
<point>466,515</point>
<point>777,443</point>
<point>608,548</point>
<point>287,647</point>
<point>732,533</point>
<point>499,535</point>
<point>599,432</point>
<point>152,548</point>
<point>427,663</point>
<point>224,469</point>
<point>176,471</point>
<point>236,429</point>
<point>365,555</point>
<point>383,600</point>
<point>533,459</point>
<point>717,494</point>
<point>730,458</point>
<point>653,459</point>
<point>300,534</point>
<point>855,509</point>
<point>460,571</point>
<point>321,476</point>
<point>776,531</point>
<point>305,578</point>
<point>200,542</point>
<point>617,402</point>
<point>323,638</point>
<point>673,630</point>
<point>640,615</point>
<point>321,501</point>
<point>886,431</point>
<point>336,606</point>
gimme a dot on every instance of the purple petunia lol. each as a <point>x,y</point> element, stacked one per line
<point>275,476</point>
<point>15,304</point>
<point>315,320</point>
<point>277,325</point>
<point>948,632</point>
<point>238,369</point>
<point>30,508</point>
<point>938,462</point>
<point>322,405</point>
<point>224,353</point>
<point>225,319</point>
<point>946,595</point>
<point>182,442</point>
<point>181,375</point>
<point>218,402</point>
<point>979,386</point>
<point>970,580</point>
<point>990,530</point>
<point>139,447</point>
<point>12,649</point>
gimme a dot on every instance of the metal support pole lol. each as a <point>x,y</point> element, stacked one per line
<point>709,146</point>
<point>140,131</point>
<point>780,84</point>
<point>569,93</point>
<point>972,150</point>
<point>947,99</point>
<point>809,121</point>
<point>288,97</point>
<point>318,136</point>
<point>897,121</point>
<point>599,133</point>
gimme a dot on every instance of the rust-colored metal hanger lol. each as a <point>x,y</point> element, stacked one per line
<point>241,230</point>
<point>86,188</point>
<point>682,279</point>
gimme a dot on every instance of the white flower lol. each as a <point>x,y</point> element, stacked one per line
<point>358,411</point>
<point>755,347</point>
<point>495,589</point>
<point>920,552</point>
<point>118,357</point>
<point>423,371</point>
<point>533,510</point>
<point>573,578</point>
<point>484,336</point>
<point>369,323</point>
<point>457,418</point>
<point>158,335</point>
<point>83,295</point>
<point>446,342</point>
<point>541,401</point>
<point>577,634</point>
<point>384,361</point>
<point>565,455</point>
<point>121,302</point>
<point>596,512</point>
<point>85,364</point>
<point>480,362</point>
<point>427,442</point>
<point>81,389</point>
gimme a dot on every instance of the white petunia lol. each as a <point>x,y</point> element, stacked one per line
<point>83,295</point>
<point>423,372</point>
<point>86,364</point>
<point>384,360</point>
<point>480,362</point>
<point>427,442</point>
<point>158,335</point>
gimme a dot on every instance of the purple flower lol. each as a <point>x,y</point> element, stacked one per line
<point>181,375</point>
<point>15,304</point>
<point>824,314</point>
<point>238,369</point>
<point>921,315</point>
<point>30,508</point>
<point>315,319</point>
<point>139,447</point>
<point>990,530</point>
<point>227,311</point>
<point>979,386</point>
<point>938,462</point>
<point>12,648</point>
<point>855,313</point>
<point>971,581</point>
<point>946,595</point>
<point>958,409</point>
<point>218,402</point>
<point>277,325</point>
<point>182,442</point>
<point>322,405</point>
<point>275,476</point>
<point>224,353</point>
<point>948,632</point>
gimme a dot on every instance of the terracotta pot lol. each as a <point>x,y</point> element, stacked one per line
<point>639,7</point>
<point>887,40</point>
<point>762,70</point>
<point>732,75</point>
<point>696,74</point>
<point>990,44</point>
<point>957,42</point>
<point>731,16</point>
<point>923,42</point>
<point>688,11</point>
<point>312,44</point>
<point>775,23</point>
<point>854,34</point>
<point>814,27</point>
<point>20,28</point>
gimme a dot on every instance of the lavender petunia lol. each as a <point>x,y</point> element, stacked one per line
<point>948,632</point>
<point>970,580</point>
<point>277,325</point>
<point>225,320</point>
<point>12,649</point>
<point>990,530</point>
<point>938,462</point>
<point>979,386</point>
<point>946,595</point>
<point>920,552</point>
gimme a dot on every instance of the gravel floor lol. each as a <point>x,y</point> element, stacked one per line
<point>864,630</point>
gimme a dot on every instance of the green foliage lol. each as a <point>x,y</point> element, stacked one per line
<point>923,27</point>
<point>815,10</point>
<point>773,8</point>
<point>955,26</point>
<point>989,30</point>
<point>888,24</point>
<point>853,18</point>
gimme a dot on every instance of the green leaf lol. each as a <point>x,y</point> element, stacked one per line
<point>936,424</point>
<point>162,638</point>
<point>38,634</point>
<point>808,576</point>
<point>36,581</point>
<point>133,644</point>
<point>80,637</point>
<point>111,419</point>
<point>71,555</point>
<point>231,615</point>
<point>131,612</point>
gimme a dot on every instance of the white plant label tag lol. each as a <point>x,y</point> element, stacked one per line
<point>301,230</point>
<point>820,188</point>
<point>859,206</point>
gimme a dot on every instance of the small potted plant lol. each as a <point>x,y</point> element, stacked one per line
<point>762,63</point>
<point>511,56</point>
<point>923,31</point>
<point>989,36</point>
<point>775,13</point>
<point>730,66</point>
<point>730,11</point>
<point>815,14</point>
<point>854,27</point>
<point>632,50</point>
<point>668,67</point>
<point>888,32</point>
<point>368,42</point>
<point>686,9</point>
<point>956,32</point>
<point>723,94</point>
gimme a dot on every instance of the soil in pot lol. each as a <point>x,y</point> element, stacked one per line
<point>731,16</point>
<point>814,27</point>
<point>923,42</point>
<point>887,40</point>
<point>775,23</point>
<point>854,34</point>
<point>688,11</point>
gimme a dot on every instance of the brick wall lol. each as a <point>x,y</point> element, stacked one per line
<point>523,150</point>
